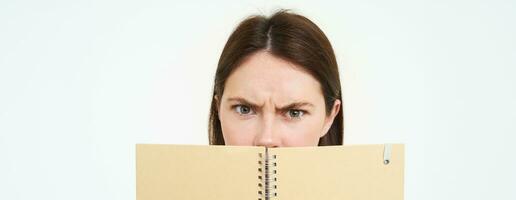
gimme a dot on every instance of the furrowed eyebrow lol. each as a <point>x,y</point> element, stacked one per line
<point>295,105</point>
<point>287,107</point>
<point>244,101</point>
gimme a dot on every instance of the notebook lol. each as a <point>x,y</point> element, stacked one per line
<point>355,172</point>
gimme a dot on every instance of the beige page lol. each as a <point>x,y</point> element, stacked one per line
<point>354,172</point>
<point>196,172</point>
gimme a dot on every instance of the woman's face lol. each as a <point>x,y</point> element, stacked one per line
<point>270,102</point>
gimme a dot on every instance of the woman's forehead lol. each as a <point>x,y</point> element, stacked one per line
<point>263,76</point>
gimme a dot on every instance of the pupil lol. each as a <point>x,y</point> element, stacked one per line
<point>294,113</point>
<point>245,109</point>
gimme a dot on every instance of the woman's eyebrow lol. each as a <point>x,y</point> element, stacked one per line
<point>287,107</point>
<point>243,100</point>
<point>295,105</point>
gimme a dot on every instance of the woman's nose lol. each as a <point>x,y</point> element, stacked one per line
<point>268,134</point>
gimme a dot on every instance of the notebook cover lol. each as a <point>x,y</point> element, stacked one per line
<point>231,172</point>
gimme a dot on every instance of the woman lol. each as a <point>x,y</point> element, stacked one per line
<point>277,84</point>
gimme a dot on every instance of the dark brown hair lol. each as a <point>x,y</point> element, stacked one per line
<point>291,37</point>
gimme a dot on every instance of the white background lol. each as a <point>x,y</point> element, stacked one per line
<point>82,81</point>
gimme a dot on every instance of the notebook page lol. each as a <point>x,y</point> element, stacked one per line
<point>355,172</point>
<point>196,172</point>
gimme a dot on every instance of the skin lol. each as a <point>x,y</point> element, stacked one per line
<point>268,101</point>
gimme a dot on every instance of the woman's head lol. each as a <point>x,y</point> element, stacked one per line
<point>277,84</point>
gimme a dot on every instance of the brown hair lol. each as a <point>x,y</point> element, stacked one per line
<point>291,37</point>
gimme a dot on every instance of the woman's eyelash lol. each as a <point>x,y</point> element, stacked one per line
<point>243,109</point>
<point>301,113</point>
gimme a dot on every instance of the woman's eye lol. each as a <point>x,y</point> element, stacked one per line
<point>243,110</point>
<point>295,113</point>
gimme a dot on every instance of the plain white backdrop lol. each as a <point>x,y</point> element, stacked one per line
<point>81,82</point>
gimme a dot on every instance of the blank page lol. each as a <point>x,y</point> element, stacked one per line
<point>196,172</point>
<point>355,172</point>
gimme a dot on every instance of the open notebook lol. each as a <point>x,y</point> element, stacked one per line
<point>354,172</point>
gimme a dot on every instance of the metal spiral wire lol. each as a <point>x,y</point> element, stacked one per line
<point>267,176</point>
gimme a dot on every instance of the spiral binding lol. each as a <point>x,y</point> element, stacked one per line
<point>267,176</point>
